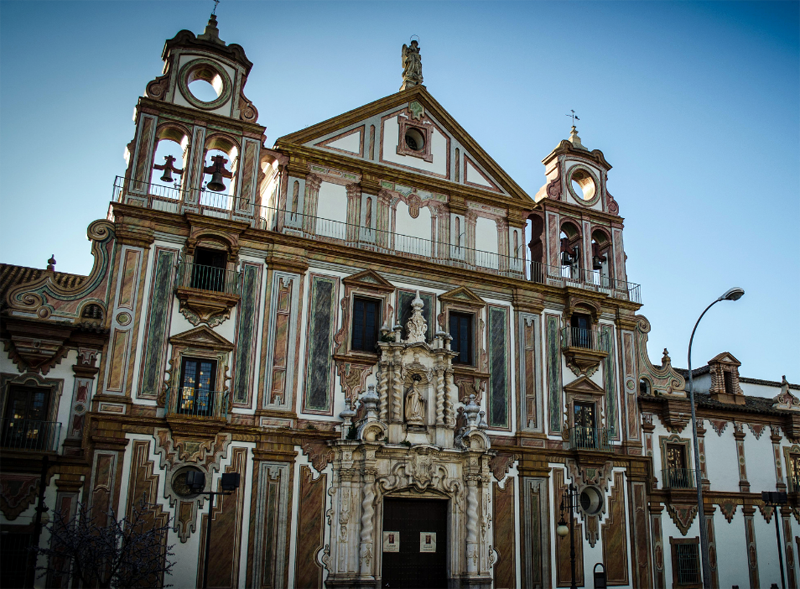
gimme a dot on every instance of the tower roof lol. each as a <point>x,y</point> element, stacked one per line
<point>208,41</point>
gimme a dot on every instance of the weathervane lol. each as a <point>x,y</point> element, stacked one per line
<point>214,12</point>
<point>573,115</point>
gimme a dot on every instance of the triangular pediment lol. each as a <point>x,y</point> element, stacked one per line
<point>372,133</point>
<point>724,358</point>
<point>463,296</point>
<point>584,385</point>
<point>369,279</point>
<point>201,337</point>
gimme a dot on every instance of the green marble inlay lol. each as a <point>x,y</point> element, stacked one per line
<point>554,373</point>
<point>160,310</point>
<point>248,319</point>
<point>416,109</point>
<point>498,380</point>
<point>609,378</point>
<point>320,346</point>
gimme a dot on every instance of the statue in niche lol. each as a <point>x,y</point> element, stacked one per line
<point>412,66</point>
<point>415,404</point>
<point>417,327</point>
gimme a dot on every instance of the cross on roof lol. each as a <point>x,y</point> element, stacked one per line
<point>214,12</point>
<point>573,115</point>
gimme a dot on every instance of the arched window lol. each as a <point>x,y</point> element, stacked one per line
<point>220,164</point>
<point>601,262</point>
<point>534,230</point>
<point>169,162</point>
<point>570,257</point>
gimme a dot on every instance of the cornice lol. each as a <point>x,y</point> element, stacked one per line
<point>193,117</point>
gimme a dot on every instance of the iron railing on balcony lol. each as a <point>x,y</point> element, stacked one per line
<point>197,402</point>
<point>30,434</point>
<point>678,478</point>
<point>590,339</point>
<point>208,278</point>
<point>213,204</point>
<point>589,438</point>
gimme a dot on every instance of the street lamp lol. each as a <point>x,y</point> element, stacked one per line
<point>733,294</point>
<point>196,481</point>
<point>569,502</point>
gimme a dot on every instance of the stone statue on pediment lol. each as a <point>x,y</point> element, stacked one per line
<point>412,66</point>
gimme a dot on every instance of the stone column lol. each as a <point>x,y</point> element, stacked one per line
<point>738,434</point>
<point>776,438</point>
<point>659,581</point>
<point>472,523</point>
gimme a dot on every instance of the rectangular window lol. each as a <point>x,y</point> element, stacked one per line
<point>461,331</point>
<point>208,272</point>
<point>727,377</point>
<point>677,476</point>
<point>25,425</point>
<point>197,394</point>
<point>688,564</point>
<point>366,323</point>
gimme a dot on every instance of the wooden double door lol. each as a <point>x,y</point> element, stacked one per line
<point>414,543</point>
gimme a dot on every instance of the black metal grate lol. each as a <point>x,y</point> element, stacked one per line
<point>688,564</point>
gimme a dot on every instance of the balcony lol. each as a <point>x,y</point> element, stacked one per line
<point>589,438</point>
<point>31,435</point>
<point>678,478</point>
<point>584,348</point>
<point>213,204</point>
<point>201,403</point>
<point>207,293</point>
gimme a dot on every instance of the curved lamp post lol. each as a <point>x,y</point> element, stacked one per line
<point>734,294</point>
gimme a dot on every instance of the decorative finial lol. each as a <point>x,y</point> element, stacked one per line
<point>212,32</point>
<point>51,263</point>
<point>412,66</point>
<point>216,3</point>
<point>574,118</point>
<point>665,359</point>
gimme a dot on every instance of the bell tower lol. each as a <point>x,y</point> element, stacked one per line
<point>219,143</point>
<point>576,228</point>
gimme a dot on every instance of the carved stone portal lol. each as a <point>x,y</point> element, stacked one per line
<point>406,443</point>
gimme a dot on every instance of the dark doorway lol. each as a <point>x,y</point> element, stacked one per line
<point>416,564</point>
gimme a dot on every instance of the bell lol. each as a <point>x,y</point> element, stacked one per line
<point>566,259</point>
<point>167,176</point>
<point>597,263</point>
<point>216,182</point>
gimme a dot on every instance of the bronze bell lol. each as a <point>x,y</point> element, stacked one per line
<point>167,175</point>
<point>168,168</point>
<point>566,259</point>
<point>218,172</point>
<point>597,263</point>
<point>216,183</point>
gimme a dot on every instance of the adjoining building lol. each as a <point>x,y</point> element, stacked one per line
<point>406,358</point>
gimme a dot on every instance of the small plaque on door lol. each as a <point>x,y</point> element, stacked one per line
<point>427,541</point>
<point>391,541</point>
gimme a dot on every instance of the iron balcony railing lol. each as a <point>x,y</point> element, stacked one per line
<point>589,438</point>
<point>678,478</point>
<point>31,434</point>
<point>197,402</point>
<point>590,339</point>
<point>208,278</point>
<point>175,199</point>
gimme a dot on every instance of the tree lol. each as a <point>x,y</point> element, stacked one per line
<point>105,552</point>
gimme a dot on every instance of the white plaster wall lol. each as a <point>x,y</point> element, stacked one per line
<point>671,530</point>
<point>391,131</point>
<point>702,383</point>
<point>731,550</point>
<point>767,544</point>
<point>332,206</point>
<point>760,390</point>
<point>721,461</point>
<point>760,462</point>
<point>420,228</point>
<point>486,241</point>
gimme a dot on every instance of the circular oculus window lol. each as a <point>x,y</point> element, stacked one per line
<point>591,500</point>
<point>415,140</point>
<point>204,84</point>
<point>179,483</point>
<point>582,185</point>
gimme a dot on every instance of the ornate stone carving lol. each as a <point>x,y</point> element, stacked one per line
<point>417,326</point>
<point>412,66</point>
<point>682,516</point>
<point>786,400</point>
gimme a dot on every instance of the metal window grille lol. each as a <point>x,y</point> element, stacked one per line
<point>688,564</point>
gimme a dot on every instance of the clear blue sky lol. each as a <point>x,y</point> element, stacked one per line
<point>696,105</point>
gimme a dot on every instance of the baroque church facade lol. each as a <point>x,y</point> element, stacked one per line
<point>406,358</point>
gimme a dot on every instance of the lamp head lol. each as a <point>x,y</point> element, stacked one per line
<point>562,529</point>
<point>733,294</point>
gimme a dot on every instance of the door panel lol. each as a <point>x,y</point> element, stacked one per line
<point>409,567</point>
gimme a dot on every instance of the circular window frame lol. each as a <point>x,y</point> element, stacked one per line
<point>185,77</point>
<point>598,497</point>
<point>583,170</point>
<point>182,471</point>
<point>418,137</point>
